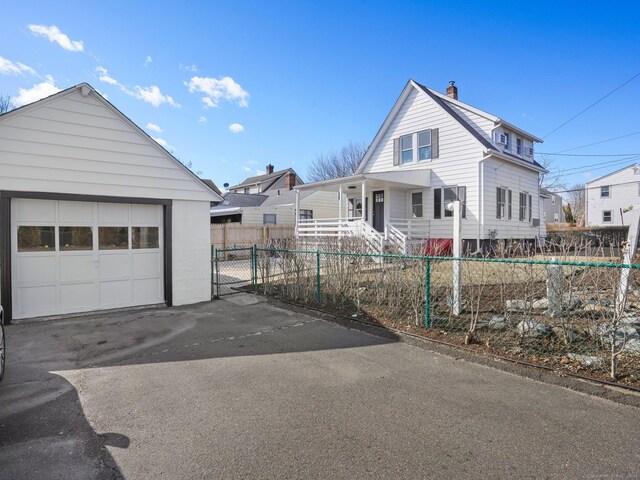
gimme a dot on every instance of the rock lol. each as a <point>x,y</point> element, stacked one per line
<point>593,307</point>
<point>571,303</point>
<point>533,329</point>
<point>498,322</point>
<point>587,360</point>
<point>482,324</point>
<point>633,321</point>
<point>515,305</point>
<point>626,336</point>
<point>541,303</point>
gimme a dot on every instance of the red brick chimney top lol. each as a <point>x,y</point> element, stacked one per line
<point>269,169</point>
<point>452,90</point>
<point>290,180</point>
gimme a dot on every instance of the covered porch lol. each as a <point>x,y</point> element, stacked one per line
<point>386,209</point>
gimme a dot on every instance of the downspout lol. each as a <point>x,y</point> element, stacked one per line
<point>480,203</point>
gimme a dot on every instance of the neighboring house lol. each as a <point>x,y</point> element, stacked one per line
<point>430,150</point>
<point>607,197</point>
<point>94,214</point>
<point>251,209</point>
<point>271,183</point>
<point>551,207</point>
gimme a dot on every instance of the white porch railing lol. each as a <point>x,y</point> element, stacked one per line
<point>403,234</point>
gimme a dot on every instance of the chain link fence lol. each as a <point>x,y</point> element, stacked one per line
<point>566,315</point>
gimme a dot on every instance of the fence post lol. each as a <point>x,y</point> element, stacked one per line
<point>318,277</point>
<point>254,267</point>
<point>216,264</point>
<point>213,271</point>
<point>427,292</point>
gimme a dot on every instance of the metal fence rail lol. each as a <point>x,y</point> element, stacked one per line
<point>561,314</point>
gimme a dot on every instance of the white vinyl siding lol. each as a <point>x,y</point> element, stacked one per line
<point>323,205</point>
<point>622,194</point>
<point>76,144</point>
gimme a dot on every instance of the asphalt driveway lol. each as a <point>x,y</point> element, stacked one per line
<point>241,388</point>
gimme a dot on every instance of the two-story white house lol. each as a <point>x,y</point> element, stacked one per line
<point>607,197</point>
<point>432,149</point>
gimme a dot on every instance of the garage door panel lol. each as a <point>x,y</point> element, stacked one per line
<point>78,297</point>
<point>113,214</point>
<point>34,301</point>
<point>115,293</point>
<point>71,213</point>
<point>36,268</point>
<point>143,215</point>
<point>146,264</point>
<point>146,291</point>
<point>37,211</point>
<point>115,266</point>
<point>77,268</point>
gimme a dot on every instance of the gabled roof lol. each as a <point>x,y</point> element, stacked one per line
<point>211,185</point>
<point>268,178</point>
<point>286,198</point>
<point>231,199</point>
<point>444,102</point>
<point>87,89</point>
<point>612,173</point>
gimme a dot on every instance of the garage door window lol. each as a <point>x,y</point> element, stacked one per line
<point>36,239</point>
<point>75,238</point>
<point>113,238</point>
<point>144,237</point>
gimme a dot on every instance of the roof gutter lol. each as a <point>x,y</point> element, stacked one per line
<point>514,160</point>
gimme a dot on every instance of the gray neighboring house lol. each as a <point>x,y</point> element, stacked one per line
<point>271,183</point>
<point>551,207</point>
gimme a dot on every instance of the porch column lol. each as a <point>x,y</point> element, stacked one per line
<point>340,203</point>
<point>297,211</point>
<point>364,197</point>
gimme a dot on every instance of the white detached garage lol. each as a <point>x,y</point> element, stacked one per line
<point>94,214</point>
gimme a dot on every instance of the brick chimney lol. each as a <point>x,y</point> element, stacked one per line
<point>269,169</point>
<point>290,180</point>
<point>452,90</point>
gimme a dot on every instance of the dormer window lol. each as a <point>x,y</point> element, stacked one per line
<point>507,141</point>
<point>406,148</point>
<point>519,146</point>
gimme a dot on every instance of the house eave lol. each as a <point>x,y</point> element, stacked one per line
<point>514,160</point>
<point>503,123</point>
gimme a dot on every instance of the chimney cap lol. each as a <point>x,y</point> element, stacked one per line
<point>452,83</point>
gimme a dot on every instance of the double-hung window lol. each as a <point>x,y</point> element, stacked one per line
<point>444,196</point>
<point>268,218</point>
<point>507,143</point>
<point>606,216</point>
<point>519,146</point>
<point>424,145</point>
<point>605,191</point>
<point>523,207</point>
<point>306,214</point>
<point>501,202</point>
<point>406,148</point>
<point>416,205</point>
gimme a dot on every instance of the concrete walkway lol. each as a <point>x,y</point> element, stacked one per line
<point>239,388</point>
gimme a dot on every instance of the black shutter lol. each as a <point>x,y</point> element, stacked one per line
<point>435,143</point>
<point>396,151</point>
<point>510,204</point>
<point>437,203</point>
<point>498,203</point>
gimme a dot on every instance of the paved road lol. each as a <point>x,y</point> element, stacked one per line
<point>239,389</point>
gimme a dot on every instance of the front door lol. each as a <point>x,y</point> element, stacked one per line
<point>378,210</point>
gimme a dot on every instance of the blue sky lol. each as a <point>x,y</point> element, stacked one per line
<point>304,78</point>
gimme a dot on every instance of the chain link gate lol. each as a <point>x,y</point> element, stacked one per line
<point>232,269</point>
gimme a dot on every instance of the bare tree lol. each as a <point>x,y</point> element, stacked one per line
<point>337,164</point>
<point>554,179</point>
<point>576,196</point>
<point>5,103</point>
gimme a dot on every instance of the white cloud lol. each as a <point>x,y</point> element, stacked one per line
<point>53,34</point>
<point>236,128</point>
<point>260,172</point>
<point>217,89</point>
<point>154,127</point>
<point>163,143</point>
<point>7,67</point>
<point>188,68</point>
<point>154,96</point>
<point>246,169</point>
<point>103,76</point>
<point>147,61</point>
<point>151,94</point>
<point>38,91</point>
<point>252,162</point>
<point>202,119</point>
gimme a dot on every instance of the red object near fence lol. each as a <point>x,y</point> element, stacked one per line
<point>438,247</point>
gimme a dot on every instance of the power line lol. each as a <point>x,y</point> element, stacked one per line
<point>596,165</point>
<point>569,190</point>
<point>593,104</point>
<point>598,143</point>
<point>587,154</point>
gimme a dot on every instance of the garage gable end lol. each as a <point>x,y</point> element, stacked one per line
<point>76,142</point>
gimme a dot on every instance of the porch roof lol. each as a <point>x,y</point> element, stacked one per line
<point>404,179</point>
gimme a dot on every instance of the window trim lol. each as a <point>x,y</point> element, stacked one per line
<point>522,207</point>
<point>460,190</point>
<point>308,215</point>
<point>604,214</point>
<point>519,146</point>
<point>507,145</point>
<point>419,146</point>
<point>264,218</point>
<point>602,190</point>
<point>501,202</point>
<point>421,204</point>
<point>402,160</point>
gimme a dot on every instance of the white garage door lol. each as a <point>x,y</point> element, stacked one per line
<point>81,256</point>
